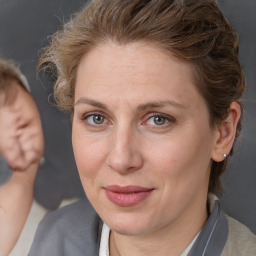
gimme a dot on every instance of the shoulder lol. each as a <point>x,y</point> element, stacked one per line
<point>73,229</point>
<point>241,241</point>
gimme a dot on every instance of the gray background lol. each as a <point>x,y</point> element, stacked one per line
<point>24,27</point>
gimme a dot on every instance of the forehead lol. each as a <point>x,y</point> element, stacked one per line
<point>134,70</point>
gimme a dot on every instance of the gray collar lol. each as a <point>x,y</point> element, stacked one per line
<point>213,236</point>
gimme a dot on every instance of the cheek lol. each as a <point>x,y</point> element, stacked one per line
<point>170,156</point>
<point>88,154</point>
<point>182,161</point>
<point>182,173</point>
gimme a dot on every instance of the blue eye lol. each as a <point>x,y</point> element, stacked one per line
<point>158,120</point>
<point>96,119</point>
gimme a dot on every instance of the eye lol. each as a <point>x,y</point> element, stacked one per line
<point>95,119</point>
<point>158,119</point>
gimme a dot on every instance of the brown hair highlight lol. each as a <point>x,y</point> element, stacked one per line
<point>194,31</point>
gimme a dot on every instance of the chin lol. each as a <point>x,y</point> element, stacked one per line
<point>129,231</point>
<point>129,226</point>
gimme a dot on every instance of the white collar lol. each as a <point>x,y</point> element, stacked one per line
<point>104,241</point>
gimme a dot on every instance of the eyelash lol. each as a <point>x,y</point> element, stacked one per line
<point>93,114</point>
<point>168,120</point>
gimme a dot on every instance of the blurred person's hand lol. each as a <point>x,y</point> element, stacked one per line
<point>21,136</point>
<point>21,144</point>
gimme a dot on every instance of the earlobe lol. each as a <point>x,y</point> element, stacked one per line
<point>226,133</point>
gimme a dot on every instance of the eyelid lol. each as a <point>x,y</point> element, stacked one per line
<point>91,113</point>
<point>85,117</point>
<point>155,114</point>
<point>169,118</point>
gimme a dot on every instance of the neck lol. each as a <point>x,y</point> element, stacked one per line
<point>169,240</point>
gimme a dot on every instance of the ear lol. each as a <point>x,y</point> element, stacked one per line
<point>225,133</point>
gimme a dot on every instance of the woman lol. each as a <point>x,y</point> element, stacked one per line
<point>153,88</point>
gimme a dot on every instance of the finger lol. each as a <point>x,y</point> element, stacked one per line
<point>13,153</point>
<point>16,163</point>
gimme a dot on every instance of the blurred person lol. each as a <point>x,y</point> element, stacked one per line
<point>21,145</point>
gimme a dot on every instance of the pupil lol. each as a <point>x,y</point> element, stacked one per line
<point>159,120</point>
<point>97,119</point>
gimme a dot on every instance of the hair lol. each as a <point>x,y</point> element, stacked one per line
<point>9,72</point>
<point>194,31</point>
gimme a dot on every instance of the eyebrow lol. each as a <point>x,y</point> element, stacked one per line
<point>141,107</point>
<point>159,104</point>
<point>91,102</point>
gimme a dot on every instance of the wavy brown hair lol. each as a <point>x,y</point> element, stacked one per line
<point>194,31</point>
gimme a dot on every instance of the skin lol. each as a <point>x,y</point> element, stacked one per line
<point>21,143</point>
<point>139,120</point>
<point>20,131</point>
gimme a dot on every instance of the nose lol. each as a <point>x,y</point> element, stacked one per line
<point>125,155</point>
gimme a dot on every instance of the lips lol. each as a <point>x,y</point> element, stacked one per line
<point>128,195</point>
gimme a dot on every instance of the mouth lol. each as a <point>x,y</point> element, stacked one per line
<point>126,196</point>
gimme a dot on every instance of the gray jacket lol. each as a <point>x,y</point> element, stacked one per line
<point>75,230</point>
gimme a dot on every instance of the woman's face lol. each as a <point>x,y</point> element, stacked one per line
<point>141,138</point>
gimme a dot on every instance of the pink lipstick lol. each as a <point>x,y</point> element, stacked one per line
<point>128,195</point>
